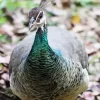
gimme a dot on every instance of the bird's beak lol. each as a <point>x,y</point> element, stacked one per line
<point>31,23</point>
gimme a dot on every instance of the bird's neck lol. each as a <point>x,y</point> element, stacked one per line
<point>40,41</point>
<point>40,48</point>
<point>41,37</point>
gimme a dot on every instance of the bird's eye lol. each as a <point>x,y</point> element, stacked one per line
<point>41,15</point>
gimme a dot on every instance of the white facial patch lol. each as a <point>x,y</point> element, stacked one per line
<point>36,24</point>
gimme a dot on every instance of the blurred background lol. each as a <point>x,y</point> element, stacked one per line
<point>82,17</point>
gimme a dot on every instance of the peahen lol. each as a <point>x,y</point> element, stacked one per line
<point>50,64</point>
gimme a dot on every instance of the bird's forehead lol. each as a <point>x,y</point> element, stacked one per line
<point>34,12</point>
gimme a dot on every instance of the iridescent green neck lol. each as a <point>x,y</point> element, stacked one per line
<point>40,38</point>
<point>40,47</point>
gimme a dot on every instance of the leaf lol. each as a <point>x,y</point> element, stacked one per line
<point>2,20</point>
<point>3,38</point>
<point>76,19</point>
<point>84,2</point>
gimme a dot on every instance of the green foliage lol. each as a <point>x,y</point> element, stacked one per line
<point>4,38</point>
<point>2,20</point>
<point>84,2</point>
<point>27,4</point>
<point>13,4</point>
<point>1,66</point>
<point>9,4</point>
<point>93,59</point>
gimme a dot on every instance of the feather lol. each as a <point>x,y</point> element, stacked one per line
<point>50,64</point>
<point>43,3</point>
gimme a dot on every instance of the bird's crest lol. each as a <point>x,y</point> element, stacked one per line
<point>43,3</point>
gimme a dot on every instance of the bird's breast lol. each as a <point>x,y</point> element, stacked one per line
<point>57,80</point>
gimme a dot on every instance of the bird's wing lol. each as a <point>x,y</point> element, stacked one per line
<point>68,45</point>
<point>21,52</point>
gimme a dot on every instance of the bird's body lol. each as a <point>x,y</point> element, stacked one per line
<point>49,65</point>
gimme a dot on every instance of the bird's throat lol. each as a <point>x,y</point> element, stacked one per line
<point>41,37</point>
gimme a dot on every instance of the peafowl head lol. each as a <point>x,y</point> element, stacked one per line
<point>37,18</point>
